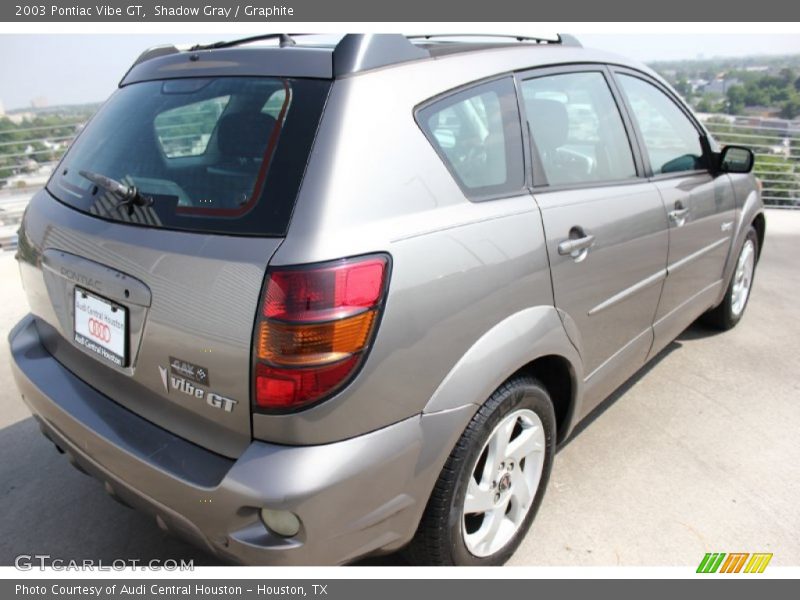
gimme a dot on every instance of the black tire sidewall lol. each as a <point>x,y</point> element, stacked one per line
<point>520,394</point>
<point>731,318</point>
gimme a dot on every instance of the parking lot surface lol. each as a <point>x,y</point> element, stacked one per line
<point>698,453</point>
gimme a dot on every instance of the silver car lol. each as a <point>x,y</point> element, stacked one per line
<point>304,303</point>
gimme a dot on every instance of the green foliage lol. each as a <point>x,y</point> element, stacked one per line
<point>791,108</point>
<point>767,91</point>
<point>772,82</point>
<point>782,179</point>
<point>25,141</point>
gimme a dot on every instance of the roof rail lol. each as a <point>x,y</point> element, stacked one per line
<point>285,41</point>
<point>361,51</point>
<point>357,52</point>
<point>564,39</point>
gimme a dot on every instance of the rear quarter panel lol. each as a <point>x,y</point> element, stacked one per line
<point>459,268</point>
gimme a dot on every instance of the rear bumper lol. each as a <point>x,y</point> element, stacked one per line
<point>356,497</point>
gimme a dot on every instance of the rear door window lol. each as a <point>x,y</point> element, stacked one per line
<point>577,129</point>
<point>221,155</point>
<point>477,134</point>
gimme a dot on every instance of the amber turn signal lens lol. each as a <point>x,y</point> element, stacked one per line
<point>313,343</point>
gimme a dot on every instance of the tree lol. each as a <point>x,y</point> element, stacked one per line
<point>781,183</point>
<point>791,108</point>
<point>683,87</point>
<point>787,76</point>
<point>735,97</point>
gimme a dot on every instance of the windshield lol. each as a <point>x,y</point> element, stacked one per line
<point>222,154</point>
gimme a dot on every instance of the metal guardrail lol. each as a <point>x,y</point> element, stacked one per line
<point>775,142</point>
<point>29,154</point>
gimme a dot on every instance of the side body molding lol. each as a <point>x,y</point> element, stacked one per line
<point>505,348</point>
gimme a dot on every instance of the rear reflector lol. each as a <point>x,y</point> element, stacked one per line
<point>314,328</point>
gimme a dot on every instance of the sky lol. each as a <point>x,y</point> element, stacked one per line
<point>78,68</point>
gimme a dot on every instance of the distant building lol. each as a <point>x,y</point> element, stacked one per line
<point>718,117</point>
<point>720,85</point>
<point>18,117</point>
<point>761,111</point>
<point>39,102</point>
<point>2,109</point>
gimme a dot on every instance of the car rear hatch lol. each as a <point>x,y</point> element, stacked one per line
<point>150,295</point>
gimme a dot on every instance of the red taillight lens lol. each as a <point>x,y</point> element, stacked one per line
<point>326,293</point>
<point>313,329</point>
<point>290,388</point>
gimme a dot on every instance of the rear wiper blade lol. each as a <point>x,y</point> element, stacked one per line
<point>129,195</point>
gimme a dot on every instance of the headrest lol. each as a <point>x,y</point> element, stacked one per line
<point>244,134</point>
<point>549,123</point>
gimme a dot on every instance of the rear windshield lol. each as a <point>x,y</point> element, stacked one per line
<point>222,155</point>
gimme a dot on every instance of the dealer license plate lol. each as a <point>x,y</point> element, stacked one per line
<point>101,327</point>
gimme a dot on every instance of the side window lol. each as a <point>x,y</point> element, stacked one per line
<point>672,142</point>
<point>477,133</point>
<point>186,130</point>
<point>577,129</point>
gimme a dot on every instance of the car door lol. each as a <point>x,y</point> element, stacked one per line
<point>699,205</point>
<point>604,223</point>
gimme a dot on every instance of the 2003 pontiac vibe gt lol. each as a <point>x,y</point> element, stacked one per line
<point>307,302</point>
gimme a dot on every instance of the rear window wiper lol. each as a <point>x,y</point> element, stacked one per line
<point>129,195</point>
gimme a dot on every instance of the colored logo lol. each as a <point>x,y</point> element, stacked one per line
<point>99,330</point>
<point>190,371</point>
<point>734,562</point>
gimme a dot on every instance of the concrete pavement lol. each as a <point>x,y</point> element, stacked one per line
<point>698,453</point>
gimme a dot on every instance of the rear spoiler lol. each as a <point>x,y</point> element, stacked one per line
<point>355,53</point>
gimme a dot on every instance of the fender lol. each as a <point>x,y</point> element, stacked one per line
<point>751,207</point>
<point>504,349</point>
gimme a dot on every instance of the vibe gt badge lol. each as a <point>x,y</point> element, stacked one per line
<point>182,384</point>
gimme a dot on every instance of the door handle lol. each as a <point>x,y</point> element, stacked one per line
<point>679,214</point>
<point>576,247</point>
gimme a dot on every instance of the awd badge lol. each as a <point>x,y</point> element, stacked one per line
<point>183,377</point>
<point>189,371</point>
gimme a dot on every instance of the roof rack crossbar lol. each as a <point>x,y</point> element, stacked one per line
<point>286,39</point>
<point>562,38</point>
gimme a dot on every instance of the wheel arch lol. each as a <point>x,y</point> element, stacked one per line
<point>531,342</point>
<point>752,214</point>
<point>760,225</point>
<point>558,377</point>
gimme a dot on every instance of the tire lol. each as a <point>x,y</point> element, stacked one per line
<point>446,536</point>
<point>731,309</point>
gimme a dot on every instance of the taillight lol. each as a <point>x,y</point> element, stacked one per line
<point>314,326</point>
